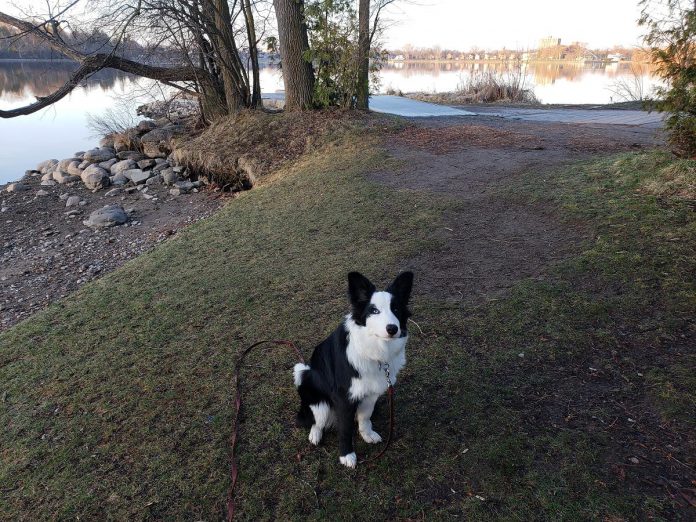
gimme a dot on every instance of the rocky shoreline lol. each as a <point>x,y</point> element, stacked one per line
<point>69,221</point>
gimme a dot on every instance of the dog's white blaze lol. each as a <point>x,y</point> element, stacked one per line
<point>376,324</point>
<point>364,352</point>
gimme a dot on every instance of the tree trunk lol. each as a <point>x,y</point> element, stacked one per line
<point>363,101</point>
<point>235,98</point>
<point>253,55</point>
<point>298,74</point>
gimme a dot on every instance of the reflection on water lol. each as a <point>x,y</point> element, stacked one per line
<point>58,131</point>
<point>21,80</point>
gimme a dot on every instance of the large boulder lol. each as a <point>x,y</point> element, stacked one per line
<point>47,166</point>
<point>74,168</point>
<point>122,166</point>
<point>63,164</point>
<point>47,176</point>
<point>138,176</point>
<point>95,177</point>
<point>106,165</point>
<point>145,126</point>
<point>63,177</point>
<point>108,216</point>
<point>130,154</point>
<point>119,179</point>
<point>157,142</point>
<point>99,155</point>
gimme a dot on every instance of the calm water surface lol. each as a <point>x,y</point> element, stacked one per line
<point>61,130</point>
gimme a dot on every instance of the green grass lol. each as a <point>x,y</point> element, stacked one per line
<point>116,402</point>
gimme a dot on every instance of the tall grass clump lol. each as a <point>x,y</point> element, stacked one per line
<point>494,86</point>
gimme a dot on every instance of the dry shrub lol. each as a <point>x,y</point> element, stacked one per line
<point>678,179</point>
<point>449,139</point>
<point>241,150</point>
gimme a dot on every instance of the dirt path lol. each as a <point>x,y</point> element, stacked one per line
<point>489,243</point>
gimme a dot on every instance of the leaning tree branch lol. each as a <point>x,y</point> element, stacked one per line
<point>89,64</point>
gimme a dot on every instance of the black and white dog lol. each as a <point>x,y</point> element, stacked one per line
<point>344,378</point>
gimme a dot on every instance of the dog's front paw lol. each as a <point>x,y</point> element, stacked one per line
<point>315,435</point>
<point>350,460</point>
<point>371,437</point>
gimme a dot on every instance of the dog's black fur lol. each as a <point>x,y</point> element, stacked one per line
<point>330,372</point>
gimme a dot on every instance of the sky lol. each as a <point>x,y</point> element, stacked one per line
<point>461,24</point>
<point>489,24</point>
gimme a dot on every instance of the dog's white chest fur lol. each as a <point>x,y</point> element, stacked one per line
<point>365,353</point>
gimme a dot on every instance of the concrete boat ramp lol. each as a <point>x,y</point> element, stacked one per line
<point>409,108</point>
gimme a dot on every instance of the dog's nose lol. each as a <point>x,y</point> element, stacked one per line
<point>392,329</point>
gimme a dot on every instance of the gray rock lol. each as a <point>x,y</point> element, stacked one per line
<point>74,168</point>
<point>154,180</point>
<point>84,165</point>
<point>119,179</point>
<point>184,186</point>
<point>64,196</point>
<point>122,166</point>
<point>169,177</point>
<point>72,201</point>
<point>138,176</point>
<point>108,216</point>
<point>160,160</point>
<point>130,154</point>
<point>160,167</point>
<point>42,193</point>
<point>63,164</point>
<point>146,164</point>
<point>79,154</point>
<point>17,187</point>
<point>95,177</point>
<point>179,169</point>
<point>47,166</point>
<point>106,165</point>
<point>48,176</point>
<point>99,155</point>
<point>113,192</point>
<point>145,126</point>
<point>157,142</point>
<point>48,183</point>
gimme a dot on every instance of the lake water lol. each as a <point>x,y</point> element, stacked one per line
<point>61,130</point>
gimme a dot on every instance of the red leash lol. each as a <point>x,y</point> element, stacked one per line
<point>234,471</point>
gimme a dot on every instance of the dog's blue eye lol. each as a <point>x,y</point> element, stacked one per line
<point>373,310</point>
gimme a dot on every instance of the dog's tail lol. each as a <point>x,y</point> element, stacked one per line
<point>298,372</point>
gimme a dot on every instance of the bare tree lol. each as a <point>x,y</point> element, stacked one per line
<point>210,37</point>
<point>363,95</point>
<point>298,73</point>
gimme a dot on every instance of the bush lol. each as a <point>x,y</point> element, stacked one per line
<point>672,40</point>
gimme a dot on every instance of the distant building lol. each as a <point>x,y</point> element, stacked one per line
<point>549,41</point>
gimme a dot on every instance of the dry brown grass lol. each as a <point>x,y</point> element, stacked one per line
<point>677,180</point>
<point>244,149</point>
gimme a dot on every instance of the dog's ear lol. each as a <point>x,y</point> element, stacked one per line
<point>360,289</point>
<point>401,287</point>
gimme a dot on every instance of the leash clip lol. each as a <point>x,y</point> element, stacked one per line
<point>385,368</point>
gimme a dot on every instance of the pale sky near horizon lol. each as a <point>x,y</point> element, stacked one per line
<point>461,24</point>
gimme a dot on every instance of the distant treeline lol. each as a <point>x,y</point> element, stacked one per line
<point>29,47</point>
<point>572,52</point>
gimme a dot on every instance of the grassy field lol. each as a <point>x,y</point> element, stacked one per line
<point>116,403</point>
